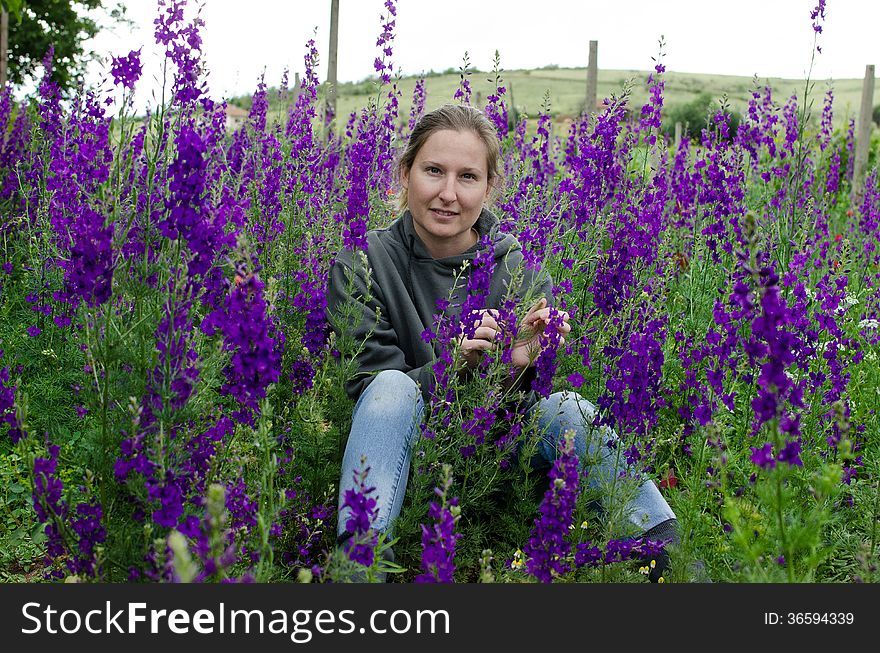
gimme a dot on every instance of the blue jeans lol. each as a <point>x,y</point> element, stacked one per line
<point>385,425</point>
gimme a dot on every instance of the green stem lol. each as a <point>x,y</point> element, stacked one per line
<point>875,515</point>
<point>789,563</point>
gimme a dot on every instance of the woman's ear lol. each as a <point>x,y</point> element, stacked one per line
<point>404,177</point>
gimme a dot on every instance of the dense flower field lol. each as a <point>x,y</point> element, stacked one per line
<point>171,392</point>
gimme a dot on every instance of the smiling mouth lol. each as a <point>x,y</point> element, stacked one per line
<point>444,214</point>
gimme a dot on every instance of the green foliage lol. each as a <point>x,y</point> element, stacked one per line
<point>13,7</point>
<point>22,538</point>
<point>86,388</point>
<point>695,115</point>
<point>67,25</point>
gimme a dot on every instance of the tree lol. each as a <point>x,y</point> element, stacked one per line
<point>694,116</point>
<point>37,25</point>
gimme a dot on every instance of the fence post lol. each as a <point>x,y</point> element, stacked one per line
<point>4,45</point>
<point>294,96</point>
<point>330,110</point>
<point>592,78</point>
<point>512,114</point>
<point>677,136</point>
<point>863,137</point>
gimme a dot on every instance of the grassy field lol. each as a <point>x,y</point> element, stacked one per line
<point>567,91</point>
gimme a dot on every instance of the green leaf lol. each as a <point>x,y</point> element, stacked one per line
<point>13,7</point>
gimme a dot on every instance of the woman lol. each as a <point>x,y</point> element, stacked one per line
<point>448,171</point>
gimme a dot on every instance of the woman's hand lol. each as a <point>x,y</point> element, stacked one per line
<point>534,335</point>
<point>485,331</point>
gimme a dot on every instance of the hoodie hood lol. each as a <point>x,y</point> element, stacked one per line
<point>418,256</point>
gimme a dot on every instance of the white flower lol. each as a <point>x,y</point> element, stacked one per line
<point>847,302</point>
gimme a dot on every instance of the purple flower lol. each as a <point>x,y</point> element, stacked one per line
<point>361,543</point>
<point>817,15</point>
<point>187,216</point>
<point>360,154</point>
<point>250,337</point>
<point>168,494</point>
<point>650,115</point>
<point>90,272</point>
<point>496,107</point>
<point>576,379</point>
<point>7,405</point>
<point>182,47</point>
<point>417,107</point>
<point>548,549</point>
<point>72,534</point>
<point>545,362</point>
<point>438,541</point>
<point>790,454</point>
<point>126,70</point>
<point>463,92</point>
<point>86,523</point>
<point>763,456</point>
<point>633,389</point>
<point>587,555</point>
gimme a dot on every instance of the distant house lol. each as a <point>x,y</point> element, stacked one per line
<point>235,117</point>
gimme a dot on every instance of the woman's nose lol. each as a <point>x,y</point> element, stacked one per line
<point>447,193</point>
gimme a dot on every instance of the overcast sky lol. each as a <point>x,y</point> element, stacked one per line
<point>770,38</point>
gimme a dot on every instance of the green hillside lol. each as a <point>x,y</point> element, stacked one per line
<point>567,90</point>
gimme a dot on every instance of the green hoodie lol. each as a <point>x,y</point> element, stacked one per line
<point>405,284</point>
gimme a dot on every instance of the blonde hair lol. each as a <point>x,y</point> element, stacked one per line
<point>454,117</point>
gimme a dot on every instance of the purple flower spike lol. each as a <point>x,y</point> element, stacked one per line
<point>361,543</point>
<point>791,454</point>
<point>547,550</point>
<point>126,70</point>
<point>763,456</point>
<point>438,541</point>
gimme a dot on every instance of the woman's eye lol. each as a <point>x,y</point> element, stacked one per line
<point>432,170</point>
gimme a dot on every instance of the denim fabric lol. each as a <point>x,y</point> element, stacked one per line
<point>384,426</point>
<point>386,423</point>
<point>565,411</point>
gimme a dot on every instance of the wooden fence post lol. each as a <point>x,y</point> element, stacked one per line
<point>4,45</point>
<point>863,136</point>
<point>592,78</point>
<point>296,90</point>
<point>677,136</point>
<point>330,110</point>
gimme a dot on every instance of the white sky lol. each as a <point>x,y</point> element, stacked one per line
<point>770,38</point>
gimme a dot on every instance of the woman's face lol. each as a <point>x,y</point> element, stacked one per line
<point>446,188</point>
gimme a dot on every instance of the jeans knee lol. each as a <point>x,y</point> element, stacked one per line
<point>394,378</point>
<point>391,397</point>
<point>570,411</point>
<point>391,387</point>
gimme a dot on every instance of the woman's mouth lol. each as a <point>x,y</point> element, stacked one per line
<point>443,214</point>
